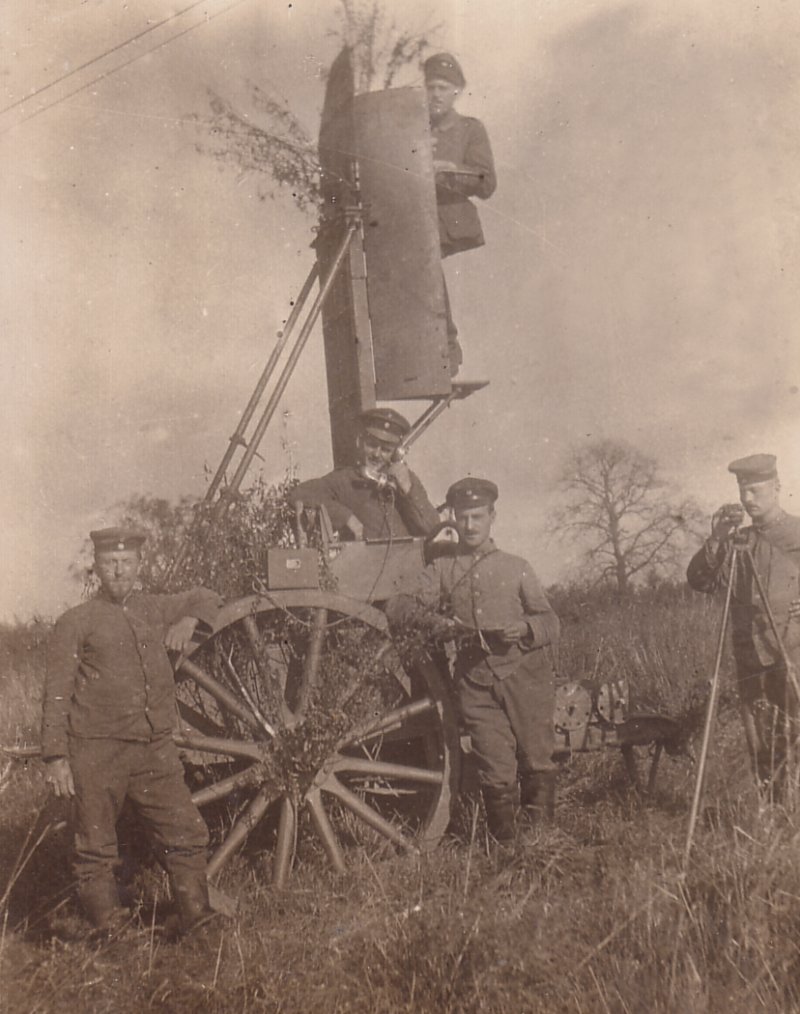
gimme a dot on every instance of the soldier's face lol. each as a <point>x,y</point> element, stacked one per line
<point>760,499</point>
<point>441,97</point>
<point>474,525</point>
<point>117,570</point>
<point>375,453</point>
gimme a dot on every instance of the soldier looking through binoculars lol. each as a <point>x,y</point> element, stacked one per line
<point>772,549</point>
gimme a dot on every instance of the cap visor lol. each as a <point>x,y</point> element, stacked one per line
<point>383,435</point>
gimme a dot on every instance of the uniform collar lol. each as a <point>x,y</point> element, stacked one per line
<point>103,595</point>
<point>485,550</point>
<point>448,121</point>
<point>770,525</point>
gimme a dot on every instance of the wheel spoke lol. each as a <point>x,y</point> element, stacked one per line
<point>325,831</point>
<point>311,661</point>
<point>357,806</point>
<point>234,675</point>
<point>285,845</point>
<point>197,720</point>
<point>253,813</point>
<point>391,720</point>
<point>230,702</point>
<point>381,769</point>
<point>222,788</point>
<point>216,744</point>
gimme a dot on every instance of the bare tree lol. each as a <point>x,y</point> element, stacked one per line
<point>279,148</point>
<point>628,523</point>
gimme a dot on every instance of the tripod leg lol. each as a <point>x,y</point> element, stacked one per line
<point>710,711</point>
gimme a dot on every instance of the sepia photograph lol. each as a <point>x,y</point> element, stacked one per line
<point>401,525</point>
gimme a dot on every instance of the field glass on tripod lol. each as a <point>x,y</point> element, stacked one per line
<point>739,553</point>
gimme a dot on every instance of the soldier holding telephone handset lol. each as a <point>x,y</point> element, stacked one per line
<point>379,497</point>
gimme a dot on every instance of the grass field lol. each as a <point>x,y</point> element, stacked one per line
<point>587,915</point>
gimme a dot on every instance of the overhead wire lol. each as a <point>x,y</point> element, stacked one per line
<point>101,56</point>
<point>122,66</point>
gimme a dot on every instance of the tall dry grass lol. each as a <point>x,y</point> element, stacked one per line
<point>22,660</point>
<point>590,915</point>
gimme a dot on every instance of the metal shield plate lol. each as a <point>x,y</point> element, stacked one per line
<point>405,285</point>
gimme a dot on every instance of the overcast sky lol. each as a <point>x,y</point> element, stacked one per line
<point>639,280</point>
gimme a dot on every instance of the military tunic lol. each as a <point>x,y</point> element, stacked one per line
<point>463,141</point>
<point>384,513</point>
<point>761,674</point>
<point>505,691</point>
<point>109,707</point>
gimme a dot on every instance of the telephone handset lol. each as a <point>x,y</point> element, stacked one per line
<point>380,479</point>
<point>383,480</point>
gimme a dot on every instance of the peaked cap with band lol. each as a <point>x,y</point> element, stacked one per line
<point>109,540</point>
<point>471,492</point>
<point>754,468</point>
<point>444,67</point>
<point>385,424</point>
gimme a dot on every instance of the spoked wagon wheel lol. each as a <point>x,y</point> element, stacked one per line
<point>299,701</point>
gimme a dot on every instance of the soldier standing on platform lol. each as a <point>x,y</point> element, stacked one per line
<point>109,715</point>
<point>462,160</point>
<point>504,676</point>
<point>774,541</point>
<point>378,498</point>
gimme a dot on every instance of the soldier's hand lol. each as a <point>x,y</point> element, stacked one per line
<point>794,609</point>
<point>725,521</point>
<point>514,632</point>
<point>58,775</point>
<point>442,166</point>
<point>354,526</point>
<point>399,471</point>
<point>441,628</point>
<point>179,635</point>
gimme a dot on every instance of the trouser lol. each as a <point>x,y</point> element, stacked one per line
<point>455,355</point>
<point>510,724</point>
<point>150,775</point>
<point>769,710</point>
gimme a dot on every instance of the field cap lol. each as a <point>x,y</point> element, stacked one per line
<point>471,493</point>
<point>444,67</point>
<point>107,540</point>
<point>385,424</point>
<point>754,468</point>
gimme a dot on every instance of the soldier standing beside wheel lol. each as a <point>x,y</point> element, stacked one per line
<point>109,714</point>
<point>379,497</point>
<point>502,624</point>
<point>773,539</point>
<point>462,160</point>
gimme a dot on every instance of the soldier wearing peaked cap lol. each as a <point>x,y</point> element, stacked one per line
<point>462,159</point>
<point>503,670</point>
<point>108,718</point>
<point>379,497</point>
<point>767,700</point>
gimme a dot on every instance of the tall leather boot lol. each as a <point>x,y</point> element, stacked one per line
<point>500,804</point>
<point>190,894</point>
<point>537,796</point>
<point>100,902</point>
